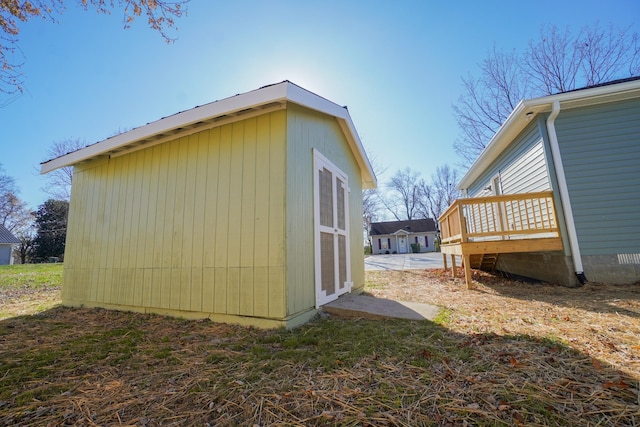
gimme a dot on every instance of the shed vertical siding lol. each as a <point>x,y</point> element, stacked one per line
<point>307,130</point>
<point>191,225</point>
<point>600,148</point>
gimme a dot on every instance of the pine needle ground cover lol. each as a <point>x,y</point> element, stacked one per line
<point>506,353</point>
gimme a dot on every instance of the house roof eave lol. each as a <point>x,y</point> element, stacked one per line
<point>527,110</point>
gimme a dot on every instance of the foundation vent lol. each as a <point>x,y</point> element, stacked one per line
<point>628,258</point>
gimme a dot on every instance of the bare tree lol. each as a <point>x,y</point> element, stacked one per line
<point>608,53</point>
<point>488,101</point>
<point>443,190</point>
<point>24,250</point>
<point>159,16</point>
<point>59,181</point>
<point>371,200</point>
<point>555,62</point>
<point>405,189</point>
<point>14,213</point>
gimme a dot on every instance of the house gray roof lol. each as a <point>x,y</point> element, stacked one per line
<point>6,236</point>
<point>410,226</point>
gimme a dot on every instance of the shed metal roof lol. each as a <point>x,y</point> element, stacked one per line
<point>260,101</point>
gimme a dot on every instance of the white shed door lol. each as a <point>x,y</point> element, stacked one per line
<point>332,260</point>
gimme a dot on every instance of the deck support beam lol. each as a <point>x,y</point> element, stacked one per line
<point>454,269</point>
<point>466,262</point>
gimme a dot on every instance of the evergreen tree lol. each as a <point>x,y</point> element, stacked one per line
<point>51,226</point>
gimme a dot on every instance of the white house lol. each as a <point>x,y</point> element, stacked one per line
<point>418,235</point>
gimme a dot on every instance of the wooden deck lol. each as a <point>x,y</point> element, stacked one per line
<point>479,229</point>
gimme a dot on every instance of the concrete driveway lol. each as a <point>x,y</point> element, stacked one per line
<point>404,261</point>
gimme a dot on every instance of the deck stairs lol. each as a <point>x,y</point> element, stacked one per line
<point>486,262</point>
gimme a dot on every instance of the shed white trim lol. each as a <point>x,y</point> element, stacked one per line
<point>215,113</point>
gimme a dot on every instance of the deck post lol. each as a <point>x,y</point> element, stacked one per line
<point>466,261</point>
<point>444,261</point>
<point>454,270</point>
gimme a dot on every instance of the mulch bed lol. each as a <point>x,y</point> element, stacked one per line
<point>507,353</point>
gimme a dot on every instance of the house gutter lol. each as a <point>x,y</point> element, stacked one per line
<point>564,193</point>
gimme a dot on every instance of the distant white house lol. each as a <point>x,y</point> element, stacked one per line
<point>417,235</point>
<point>7,242</point>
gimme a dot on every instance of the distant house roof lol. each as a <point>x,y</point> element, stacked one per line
<point>528,109</point>
<point>260,101</point>
<point>6,236</point>
<point>409,226</point>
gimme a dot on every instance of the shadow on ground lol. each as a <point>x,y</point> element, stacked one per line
<point>93,366</point>
<point>594,297</point>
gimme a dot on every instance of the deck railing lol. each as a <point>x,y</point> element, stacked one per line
<point>506,217</point>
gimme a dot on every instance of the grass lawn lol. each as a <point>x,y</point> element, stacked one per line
<point>29,288</point>
<point>506,353</point>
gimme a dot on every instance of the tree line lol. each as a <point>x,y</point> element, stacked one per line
<point>407,196</point>
<point>557,60</point>
<point>42,233</point>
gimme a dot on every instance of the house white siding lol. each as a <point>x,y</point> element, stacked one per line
<point>389,242</point>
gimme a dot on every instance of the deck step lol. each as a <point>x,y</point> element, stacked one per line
<point>485,262</point>
<point>489,262</point>
<point>475,261</point>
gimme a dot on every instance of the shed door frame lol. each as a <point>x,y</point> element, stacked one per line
<point>331,234</point>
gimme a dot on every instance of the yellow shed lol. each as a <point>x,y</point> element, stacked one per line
<point>245,210</point>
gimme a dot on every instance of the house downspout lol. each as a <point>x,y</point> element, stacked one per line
<point>564,193</point>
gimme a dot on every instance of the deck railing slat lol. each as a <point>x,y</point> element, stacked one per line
<point>515,215</point>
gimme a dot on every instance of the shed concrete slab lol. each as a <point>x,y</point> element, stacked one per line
<point>350,306</point>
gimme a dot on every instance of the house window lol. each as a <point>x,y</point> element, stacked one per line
<point>417,239</point>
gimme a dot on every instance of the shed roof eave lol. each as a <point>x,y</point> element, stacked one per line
<point>194,115</point>
<point>279,92</point>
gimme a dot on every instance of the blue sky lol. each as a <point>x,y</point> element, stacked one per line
<point>396,65</point>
